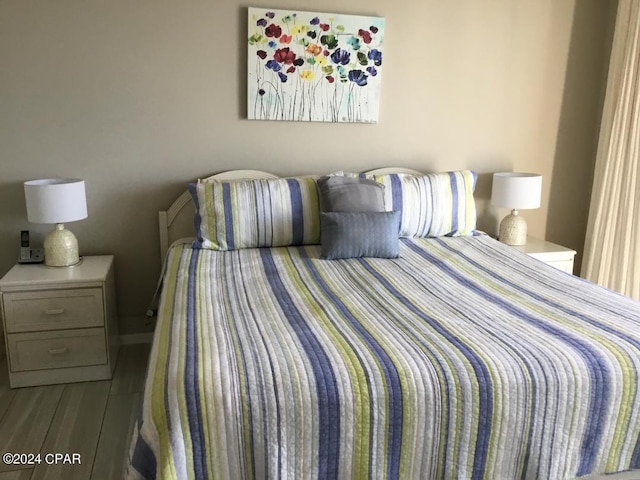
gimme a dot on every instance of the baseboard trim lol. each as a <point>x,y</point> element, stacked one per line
<point>133,338</point>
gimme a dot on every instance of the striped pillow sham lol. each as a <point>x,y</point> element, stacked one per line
<point>256,213</point>
<point>432,205</point>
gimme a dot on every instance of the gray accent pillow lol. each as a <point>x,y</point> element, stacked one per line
<point>359,234</point>
<point>350,194</point>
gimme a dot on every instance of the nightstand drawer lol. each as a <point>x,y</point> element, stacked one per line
<point>550,253</point>
<point>53,309</point>
<point>564,265</point>
<point>45,350</point>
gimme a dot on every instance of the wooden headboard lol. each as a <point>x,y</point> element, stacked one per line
<point>177,221</point>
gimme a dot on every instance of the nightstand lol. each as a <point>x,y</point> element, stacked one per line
<point>60,323</point>
<point>550,253</point>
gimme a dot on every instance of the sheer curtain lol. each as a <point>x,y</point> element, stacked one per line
<point>612,247</point>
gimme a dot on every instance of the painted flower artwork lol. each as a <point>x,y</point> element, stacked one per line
<point>307,66</point>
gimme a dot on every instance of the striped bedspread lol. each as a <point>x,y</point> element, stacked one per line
<point>462,359</point>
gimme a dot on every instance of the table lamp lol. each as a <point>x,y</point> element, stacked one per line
<point>57,200</point>
<point>517,191</point>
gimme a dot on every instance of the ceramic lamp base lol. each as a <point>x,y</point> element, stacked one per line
<point>60,248</point>
<point>513,229</point>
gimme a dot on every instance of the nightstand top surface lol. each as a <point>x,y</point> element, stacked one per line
<point>91,269</point>
<point>536,245</point>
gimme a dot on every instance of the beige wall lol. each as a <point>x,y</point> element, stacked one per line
<point>139,97</point>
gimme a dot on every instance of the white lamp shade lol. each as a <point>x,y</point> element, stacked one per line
<point>55,200</point>
<point>519,191</point>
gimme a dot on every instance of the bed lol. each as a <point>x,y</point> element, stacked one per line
<point>460,358</point>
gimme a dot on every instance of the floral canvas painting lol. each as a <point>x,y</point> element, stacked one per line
<point>307,66</point>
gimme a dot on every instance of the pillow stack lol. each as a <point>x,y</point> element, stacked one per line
<point>350,215</point>
<point>353,220</point>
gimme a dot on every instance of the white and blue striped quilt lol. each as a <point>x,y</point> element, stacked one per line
<point>463,358</point>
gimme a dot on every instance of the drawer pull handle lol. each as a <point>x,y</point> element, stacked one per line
<point>54,311</point>
<point>58,351</point>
